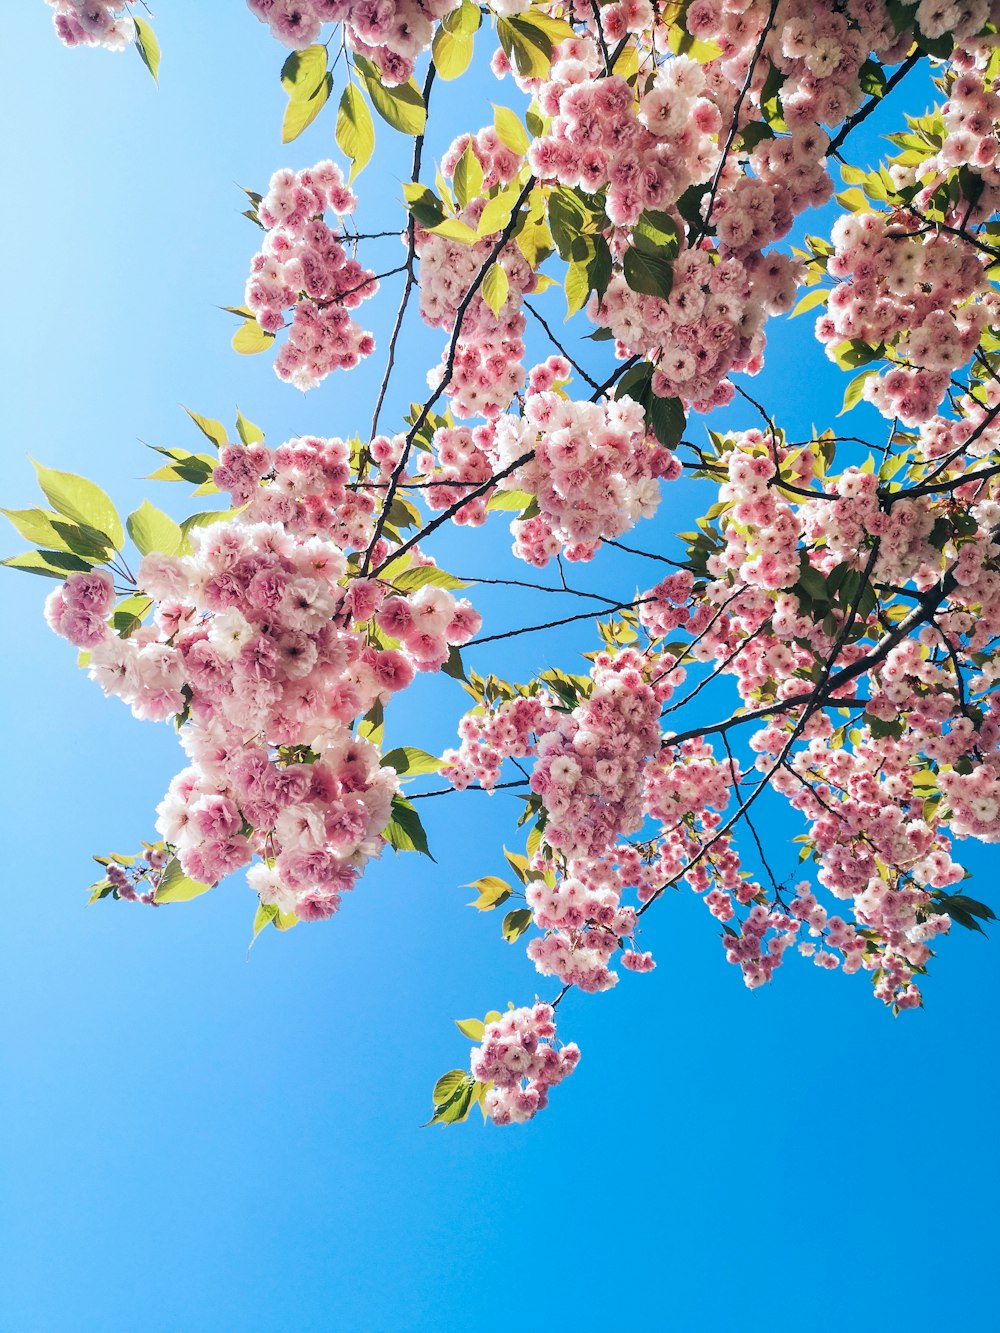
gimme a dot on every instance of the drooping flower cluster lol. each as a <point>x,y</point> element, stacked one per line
<point>919,293</point>
<point>392,35</point>
<point>93,23</point>
<point>518,1058</point>
<point>303,266</point>
<point>267,653</point>
<point>487,366</point>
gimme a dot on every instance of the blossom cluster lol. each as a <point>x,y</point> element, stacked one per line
<point>93,23</point>
<point>391,35</point>
<point>487,363</point>
<point>518,1058</point>
<point>303,266</point>
<point>266,652</point>
<point>919,293</point>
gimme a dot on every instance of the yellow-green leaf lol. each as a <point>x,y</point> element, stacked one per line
<point>355,130</point>
<point>83,502</point>
<point>495,288</point>
<point>250,338</point>
<point>147,46</point>
<point>153,530</point>
<point>452,52</point>
<point>468,177</point>
<point>492,892</point>
<point>300,114</point>
<point>473,1028</point>
<point>454,230</point>
<point>209,427</point>
<point>510,131</point>
<point>49,564</point>
<point>497,212</point>
<point>818,296</point>
<point>303,72</point>
<point>175,887</point>
<point>401,107</point>
<point>247,431</point>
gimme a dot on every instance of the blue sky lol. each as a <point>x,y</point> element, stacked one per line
<point>195,1139</point>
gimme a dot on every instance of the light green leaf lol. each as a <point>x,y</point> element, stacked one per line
<point>422,576</point>
<point>210,428</point>
<point>404,832</point>
<point>454,1094</point>
<point>495,288</point>
<point>303,73</point>
<point>152,530</point>
<point>492,892</point>
<point>510,131</point>
<point>264,916</point>
<point>247,431</point>
<point>516,923</point>
<point>355,130</point>
<point>410,761</point>
<point>452,51</point>
<point>49,564</point>
<point>206,518</point>
<point>49,530</point>
<point>83,502</point>
<point>401,107</point>
<point>854,390</point>
<point>175,887</point>
<point>147,46</point>
<point>818,296</point>
<point>527,48</point>
<point>454,230</point>
<point>473,1028</point>
<point>512,501</point>
<point>250,338</point>
<point>468,178</point>
<point>299,115</point>
<point>497,212</point>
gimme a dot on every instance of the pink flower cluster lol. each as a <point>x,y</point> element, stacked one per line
<point>593,471</point>
<point>304,267</point>
<point>597,141</point>
<point>919,293</point>
<point>392,35</point>
<point>517,1057</point>
<point>267,658</point>
<point>303,485</point>
<point>489,353</point>
<point>93,23</point>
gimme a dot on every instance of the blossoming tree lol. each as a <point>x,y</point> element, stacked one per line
<point>656,160</point>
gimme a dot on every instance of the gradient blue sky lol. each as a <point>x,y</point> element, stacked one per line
<point>195,1139</point>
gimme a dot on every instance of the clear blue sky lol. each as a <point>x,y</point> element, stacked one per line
<point>194,1140</point>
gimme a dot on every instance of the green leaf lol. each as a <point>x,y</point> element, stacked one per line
<point>265,916</point>
<point>492,892</point>
<point>206,518</point>
<point>299,115</point>
<point>412,762</point>
<point>510,131</point>
<point>422,576</point>
<point>854,390</point>
<point>473,1028</point>
<point>468,178</point>
<point>355,130</point>
<point>666,416</point>
<point>175,887</point>
<point>83,502</point>
<point>152,530</point>
<point>247,431</point>
<point>648,274</point>
<point>49,564</point>
<point>657,234</point>
<point>250,338</point>
<point>49,530</point>
<point>527,48</point>
<point>303,72</point>
<point>404,831</point>
<point>129,614</point>
<point>818,296</point>
<point>495,288</point>
<point>401,107</point>
<point>452,51</point>
<point>453,229</point>
<point>454,1094</point>
<point>516,923</point>
<point>423,203</point>
<point>147,46</point>
<point>210,428</point>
